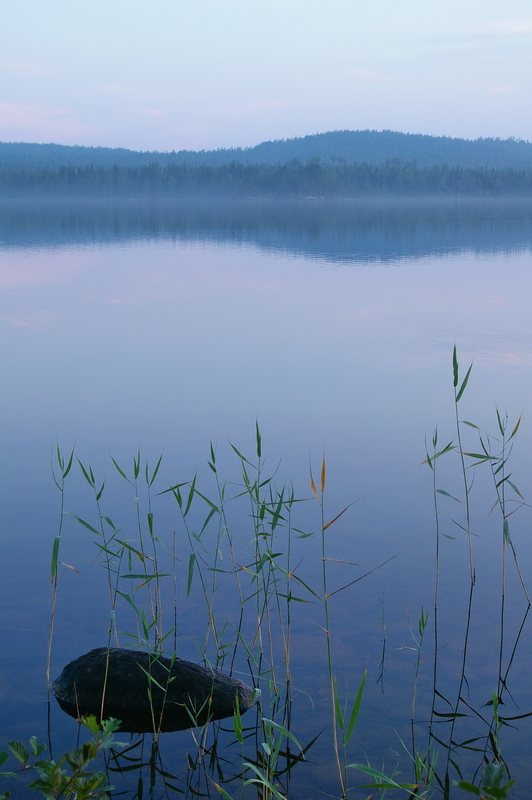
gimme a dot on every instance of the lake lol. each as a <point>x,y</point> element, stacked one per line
<point>167,327</point>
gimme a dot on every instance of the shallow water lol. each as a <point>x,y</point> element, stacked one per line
<point>167,327</point>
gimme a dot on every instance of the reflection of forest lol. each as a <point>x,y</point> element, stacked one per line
<point>326,230</point>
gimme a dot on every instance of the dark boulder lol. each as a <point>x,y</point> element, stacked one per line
<point>147,692</point>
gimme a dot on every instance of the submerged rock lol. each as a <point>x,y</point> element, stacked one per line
<point>147,692</point>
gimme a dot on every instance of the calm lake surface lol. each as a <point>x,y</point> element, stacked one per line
<point>169,327</point>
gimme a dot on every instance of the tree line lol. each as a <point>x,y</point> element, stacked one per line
<point>294,179</point>
<point>332,147</point>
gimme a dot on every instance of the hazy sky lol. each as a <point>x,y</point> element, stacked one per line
<point>174,74</point>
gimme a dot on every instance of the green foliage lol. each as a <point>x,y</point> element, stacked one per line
<point>265,583</point>
<point>69,777</point>
<point>490,787</point>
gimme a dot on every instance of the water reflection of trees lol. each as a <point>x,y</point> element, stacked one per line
<point>363,230</point>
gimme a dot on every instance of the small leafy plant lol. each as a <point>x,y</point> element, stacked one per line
<point>490,788</point>
<point>69,777</point>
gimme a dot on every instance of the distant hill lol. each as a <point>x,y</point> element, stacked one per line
<point>369,147</point>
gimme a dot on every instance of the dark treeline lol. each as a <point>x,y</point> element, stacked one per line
<point>333,147</point>
<point>261,180</point>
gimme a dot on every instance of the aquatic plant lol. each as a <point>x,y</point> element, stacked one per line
<point>242,539</point>
<point>69,777</point>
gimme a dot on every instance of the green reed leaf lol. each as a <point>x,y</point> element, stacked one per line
<point>503,480</point>
<point>129,600</point>
<point>455,368</point>
<point>280,729</point>
<point>86,474</point>
<point>109,521</point>
<point>151,678</point>
<point>262,780</point>
<point>516,428</point>
<point>383,782</point>
<point>288,597</point>
<point>132,549</point>
<point>208,518</point>
<point>237,721</point>
<point>190,496</point>
<point>120,471</point>
<point>55,558</point>
<point>337,710</point>
<point>506,532</point>
<point>446,494</point>
<point>155,471</point>
<point>481,456</point>
<point>85,524</point>
<point>470,787</point>
<point>446,449</point>
<point>191,563</point>
<point>216,508</point>
<point>514,487</point>
<point>69,464</point>
<point>136,465</point>
<point>355,710</point>
<point>60,459</point>
<point>464,384</point>
<point>239,454</point>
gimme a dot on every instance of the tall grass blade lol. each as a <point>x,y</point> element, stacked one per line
<point>191,563</point>
<point>383,781</point>
<point>120,471</point>
<point>355,710</point>
<point>85,524</point>
<point>55,558</point>
<point>464,384</point>
<point>151,480</point>
<point>516,428</point>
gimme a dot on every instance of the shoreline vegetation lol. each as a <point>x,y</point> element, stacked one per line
<point>245,571</point>
<point>314,179</point>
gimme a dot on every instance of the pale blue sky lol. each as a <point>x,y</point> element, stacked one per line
<point>174,74</point>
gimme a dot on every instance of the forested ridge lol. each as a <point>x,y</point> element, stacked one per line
<point>294,179</point>
<point>334,147</point>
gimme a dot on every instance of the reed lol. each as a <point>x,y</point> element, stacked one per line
<point>232,546</point>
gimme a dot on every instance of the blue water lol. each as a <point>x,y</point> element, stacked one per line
<point>167,328</point>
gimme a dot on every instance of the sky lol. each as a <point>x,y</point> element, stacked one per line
<point>203,74</point>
